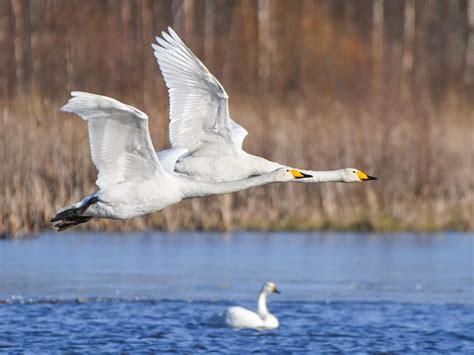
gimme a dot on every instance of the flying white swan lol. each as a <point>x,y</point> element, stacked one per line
<point>239,317</point>
<point>200,123</point>
<point>131,180</point>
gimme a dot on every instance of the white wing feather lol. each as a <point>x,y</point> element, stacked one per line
<point>199,112</point>
<point>239,317</point>
<point>120,142</point>
<point>169,157</point>
<point>238,134</point>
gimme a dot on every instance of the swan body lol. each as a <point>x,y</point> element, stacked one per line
<point>132,181</point>
<point>239,317</point>
<point>200,122</point>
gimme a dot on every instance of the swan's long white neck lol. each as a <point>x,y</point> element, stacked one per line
<point>262,309</point>
<point>322,176</point>
<point>317,176</point>
<point>193,188</point>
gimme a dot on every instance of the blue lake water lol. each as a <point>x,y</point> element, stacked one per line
<point>156,292</point>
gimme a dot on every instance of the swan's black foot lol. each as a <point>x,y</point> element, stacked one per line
<point>73,216</point>
<point>66,224</point>
<point>71,213</point>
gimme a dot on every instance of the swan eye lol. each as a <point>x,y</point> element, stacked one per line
<point>354,171</point>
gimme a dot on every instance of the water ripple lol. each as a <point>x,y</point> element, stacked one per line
<point>118,325</point>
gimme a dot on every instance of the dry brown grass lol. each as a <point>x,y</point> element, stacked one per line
<point>423,157</point>
<point>358,101</point>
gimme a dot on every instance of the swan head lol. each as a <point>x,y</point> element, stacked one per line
<point>269,288</point>
<point>355,175</point>
<point>287,174</point>
<point>290,174</point>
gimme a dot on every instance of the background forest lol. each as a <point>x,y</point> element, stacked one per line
<point>384,86</point>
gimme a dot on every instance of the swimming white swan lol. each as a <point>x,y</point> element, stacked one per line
<point>200,123</point>
<point>239,317</point>
<point>131,180</point>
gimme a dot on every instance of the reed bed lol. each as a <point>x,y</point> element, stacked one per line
<point>383,86</point>
<point>422,156</point>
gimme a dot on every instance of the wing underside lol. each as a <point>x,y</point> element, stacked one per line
<point>199,113</point>
<point>120,142</point>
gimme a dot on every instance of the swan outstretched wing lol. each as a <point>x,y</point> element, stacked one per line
<point>120,142</point>
<point>199,112</point>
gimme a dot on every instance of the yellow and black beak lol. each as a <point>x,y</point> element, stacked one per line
<point>298,174</point>
<point>275,290</point>
<point>364,177</point>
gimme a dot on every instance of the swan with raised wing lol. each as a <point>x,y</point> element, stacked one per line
<point>200,122</point>
<point>131,179</point>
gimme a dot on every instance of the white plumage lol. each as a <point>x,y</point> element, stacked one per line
<point>239,317</point>
<point>131,180</point>
<point>198,103</point>
<point>169,157</point>
<point>200,122</point>
<point>120,143</point>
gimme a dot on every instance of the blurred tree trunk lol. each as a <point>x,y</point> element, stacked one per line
<point>286,32</point>
<point>146,11</point>
<point>377,45</point>
<point>456,29</point>
<point>469,57</point>
<point>277,47</point>
<point>45,57</point>
<point>430,42</point>
<point>223,52</point>
<point>337,10</point>
<point>133,51</point>
<point>363,16</point>
<point>250,40</point>
<point>308,29</point>
<point>243,47</point>
<point>210,35</point>
<point>183,18</point>
<point>141,53</point>
<point>8,78</point>
<point>392,48</point>
<point>408,44</point>
<point>189,23</point>
<point>161,18</point>
<point>162,15</point>
<point>199,28</point>
<point>21,10</point>
<point>265,43</point>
